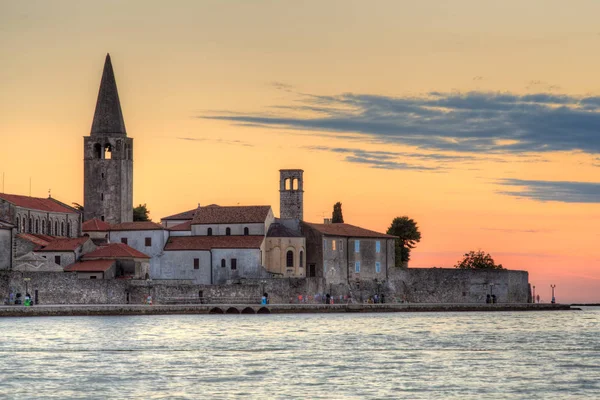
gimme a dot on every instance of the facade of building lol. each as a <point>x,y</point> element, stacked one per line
<point>128,263</point>
<point>285,252</point>
<point>291,194</point>
<point>344,253</point>
<point>40,216</point>
<point>7,237</point>
<point>65,252</point>
<point>108,158</point>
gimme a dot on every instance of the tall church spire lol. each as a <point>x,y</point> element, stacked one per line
<point>108,118</point>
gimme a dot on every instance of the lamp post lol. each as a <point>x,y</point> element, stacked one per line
<point>553,299</point>
<point>26,285</point>
<point>533,298</point>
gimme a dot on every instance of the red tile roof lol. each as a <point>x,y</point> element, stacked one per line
<point>40,240</point>
<point>37,203</point>
<point>347,230</point>
<point>114,250</point>
<point>186,226</point>
<point>231,215</point>
<point>137,226</point>
<point>90,266</point>
<point>182,215</point>
<point>95,225</point>
<point>70,244</point>
<point>213,242</point>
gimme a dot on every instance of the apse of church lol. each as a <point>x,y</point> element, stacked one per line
<point>108,158</point>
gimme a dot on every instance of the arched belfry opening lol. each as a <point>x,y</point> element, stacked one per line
<point>97,151</point>
<point>107,151</point>
<point>291,194</point>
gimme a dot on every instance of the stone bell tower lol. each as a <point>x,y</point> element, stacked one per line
<point>291,194</point>
<point>108,158</point>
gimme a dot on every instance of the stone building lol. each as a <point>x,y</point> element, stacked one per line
<point>116,260</point>
<point>45,216</point>
<point>65,252</point>
<point>7,237</point>
<point>108,158</point>
<point>291,194</point>
<point>344,253</point>
<point>179,218</point>
<point>285,252</point>
<point>145,236</point>
<point>97,230</point>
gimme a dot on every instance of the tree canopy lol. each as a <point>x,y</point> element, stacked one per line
<point>408,236</point>
<point>477,260</point>
<point>337,217</point>
<point>141,213</point>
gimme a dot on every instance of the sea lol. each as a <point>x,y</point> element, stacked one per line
<point>420,355</point>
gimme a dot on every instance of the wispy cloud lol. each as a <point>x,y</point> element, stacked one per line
<point>509,230</point>
<point>473,122</point>
<point>565,192</point>
<point>222,141</point>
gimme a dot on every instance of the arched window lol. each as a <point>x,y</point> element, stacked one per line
<point>288,184</point>
<point>56,228</point>
<point>301,259</point>
<point>37,226</point>
<point>97,151</point>
<point>24,225</point>
<point>246,231</point>
<point>30,225</point>
<point>68,229</point>
<point>209,232</point>
<point>43,227</point>
<point>19,226</point>
<point>228,232</point>
<point>62,229</point>
<point>294,184</point>
<point>223,263</point>
<point>107,151</point>
<point>289,259</point>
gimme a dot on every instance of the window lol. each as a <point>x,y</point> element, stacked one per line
<point>196,263</point>
<point>30,225</point>
<point>333,244</point>
<point>301,259</point>
<point>222,263</point>
<point>93,276</point>
<point>378,246</point>
<point>97,151</point>
<point>68,229</point>
<point>357,246</point>
<point>37,226</point>
<point>107,151</point>
<point>234,263</point>
<point>148,242</point>
<point>289,259</point>
<point>209,232</point>
<point>341,245</point>
<point>62,229</point>
<point>228,232</point>
<point>43,227</point>
<point>102,196</point>
<point>102,218</point>
<point>246,231</point>
<point>378,266</point>
<point>57,260</point>
<point>56,228</point>
<point>124,240</point>
<point>324,244</point>
<point>102,175</point>
<point>357,267</point>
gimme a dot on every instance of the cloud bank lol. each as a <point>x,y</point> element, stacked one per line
<point>562,191</point>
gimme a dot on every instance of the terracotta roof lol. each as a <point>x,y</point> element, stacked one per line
<point>231,215</point>
<point>95,225</point>
<point>69,244</point>
<point>347,230</point>
<point>90,266</point>
<point>114,250</point>
<point>213,242</point>
<point>137,226</point>
<point>182,215</point>
<point>37,203</point>
<point>40,240</point>
<point>186,226</point>
<point>278,230</point>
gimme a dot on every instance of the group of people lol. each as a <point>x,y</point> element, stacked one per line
<point>16,300</point>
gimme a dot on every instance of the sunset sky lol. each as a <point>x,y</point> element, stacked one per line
<point>478,119</point>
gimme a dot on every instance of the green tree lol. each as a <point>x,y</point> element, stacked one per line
<point>141,213</point>
<point>337,217</point>
<point>477,260</point>
<point>408,234</point>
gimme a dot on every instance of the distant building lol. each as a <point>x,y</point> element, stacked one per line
<point>45,216</point>
<point>116,260</point>
<point>285,252</point>
<point>7,236</point>
<point>344,253</point>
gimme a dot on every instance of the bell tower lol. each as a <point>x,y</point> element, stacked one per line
<point>291,194</point>
<point>108,158</point>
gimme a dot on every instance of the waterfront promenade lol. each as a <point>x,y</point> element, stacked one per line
<point>139,309</point>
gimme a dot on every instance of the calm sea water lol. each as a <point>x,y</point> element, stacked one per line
<point>319,356</point>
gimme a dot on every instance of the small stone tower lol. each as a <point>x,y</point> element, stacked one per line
<point>291,194</point>
<point>108,158</point>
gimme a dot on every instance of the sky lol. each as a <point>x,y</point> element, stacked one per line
<point>478,119</point>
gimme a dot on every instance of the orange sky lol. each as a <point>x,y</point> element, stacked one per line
<point>178,63</point>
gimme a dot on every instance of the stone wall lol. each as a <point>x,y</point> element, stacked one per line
<point>6,237</point>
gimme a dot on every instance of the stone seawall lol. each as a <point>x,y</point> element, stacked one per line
<point>129,309</point>
<point>432,285</point>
